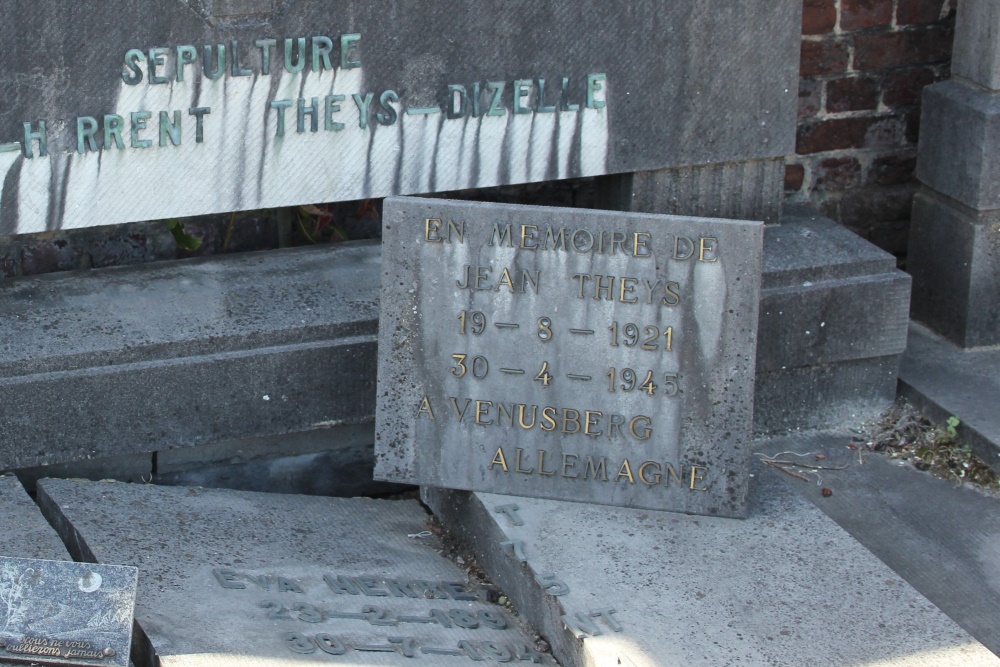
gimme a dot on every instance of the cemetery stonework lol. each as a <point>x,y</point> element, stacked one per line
<point>582,355</point>
<point>954,248</point>
<point>235,106</point>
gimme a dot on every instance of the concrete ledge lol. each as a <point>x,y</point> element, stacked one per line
<point>186,353</point>
<point>206,353</point>
<point>25,532</point>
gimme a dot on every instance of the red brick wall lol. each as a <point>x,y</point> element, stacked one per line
<point>863,65</point>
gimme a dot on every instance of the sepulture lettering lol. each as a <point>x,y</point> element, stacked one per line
<point>294,104</point>
<point>582,355</point>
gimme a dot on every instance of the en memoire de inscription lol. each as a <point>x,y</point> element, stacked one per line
<point>584,355</point>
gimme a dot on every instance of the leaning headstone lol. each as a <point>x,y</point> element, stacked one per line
<point>65,613</point>
<point>580,355</point>
<point>210,107</point>
<point>237,577</point>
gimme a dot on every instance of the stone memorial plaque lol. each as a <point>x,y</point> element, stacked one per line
<point>560,353</point>
<point>113,112</point>
<point>241,578</point>
<point>65,613</point>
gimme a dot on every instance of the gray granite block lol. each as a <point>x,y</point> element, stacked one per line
<point>833,318</point>
<point>614,366</point>
<point>825,395</point>
<point>186,353</point>
<point>976,54</point>
<point>787,586</point>
<point>955,262</point>
<point>959,133</point>
<point>25,532</point>
<point>234,577</point>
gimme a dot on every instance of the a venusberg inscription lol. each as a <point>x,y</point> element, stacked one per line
<point>584,355</point>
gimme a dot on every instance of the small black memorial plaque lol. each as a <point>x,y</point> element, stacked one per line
<point>560,353</point>
<point>64,613</point>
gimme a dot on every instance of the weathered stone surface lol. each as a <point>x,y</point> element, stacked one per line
<point>833,317</point>
<point>955,262</point>
<point>187,353</point>
<point>786,586</point>
<point>65,613</point>
<point>976,54</point>
<point>750,190</point>
<point>959,132</point>
<point>499,355</point>
<point>26,533</point>
<point>639,96</point>
<point>236,578</point>
<point>824,395</point>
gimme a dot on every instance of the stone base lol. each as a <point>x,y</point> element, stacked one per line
<point>833,319</point>
<point>955,262</point>
<point>944,381</point>
<point>959,133</point>
<point>843,394</point>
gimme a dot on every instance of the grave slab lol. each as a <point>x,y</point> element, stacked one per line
<point>584,355</point>
<point>237,578</point>
<point>941,537</point>
<point>26,532</point>
<point>786,586</point>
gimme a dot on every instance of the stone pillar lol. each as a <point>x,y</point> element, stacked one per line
<point>954,254</point>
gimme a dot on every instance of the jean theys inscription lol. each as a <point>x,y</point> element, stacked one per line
<point>582,355</point>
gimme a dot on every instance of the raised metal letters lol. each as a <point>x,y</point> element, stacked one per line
<point>63,613</point>
<point>558,353</point>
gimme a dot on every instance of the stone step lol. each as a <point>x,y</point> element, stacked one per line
<point>942,538</point>
<point>944,381</point>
